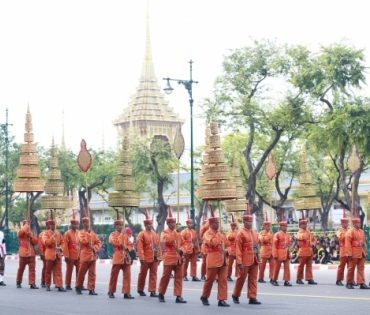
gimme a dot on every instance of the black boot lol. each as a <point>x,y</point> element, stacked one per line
<point>2,284</point>
<point>153,294</point>
<point>78,291</point>
<point>261,281</point>
<point>128,296</point>
<point>203,277</point>
<point>222,303</point>
<point>179,299</point>
<point>195,279</point>
<point>349,286</point>
<point>287,284</point>
<point>204,301</point>
<point>92,292</point>
<point>339,283</point>
<point>68,287</point>
<point>161,298</point>
<point>364,287</point>
<point>185,279</point>
<point>111,295</point>
<point>299,281</point>
<point>61,289</point>
<point>33,286</point>
<point>141,293</point>
<point>43,285</point>
<point>275,283</point>
<point>48,289</point>
<point>311,282</point>
<point>229,279</point>
<point>254,301</point>
<point>235,299</point>
<point>354,284</point>
<point>19,286</point>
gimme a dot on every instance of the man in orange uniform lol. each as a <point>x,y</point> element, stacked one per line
<point>53,242</point>
<point>247,259</point>
<point>89,245</point>
<point>121,260</point>
<point>191,250</point>
<point>306,243</point>
<point>42,256</point>
<point>71,251</point>
<point>216,262</point>
<point>27,255</point>
<point>150,255</point>
<point>280,252</point>
<point>172,260</point>
<point>266,238</point>
<point>341,234</point>
<point>355,250</point>
<point>204,229</point>
<point>231,248</point>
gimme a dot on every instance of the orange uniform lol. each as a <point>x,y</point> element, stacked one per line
<point>71,253</point>
<point>247,255</point>
<point>231,248</point>
<point>121,261</point>
<point>42,256</point>
<point>149,250</point>
<point>89,245</point>
<point>266,239</point>
<point>306,242</point>
<point>191,250</point>
<point>280,252</point>
<point>27,255</point>
<point>355,247</point>
<point>341,234</point>
<point>203,230</point>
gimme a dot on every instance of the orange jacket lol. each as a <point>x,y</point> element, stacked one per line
<point>119,241</point>
<point>341,234</point>
<point>246,247</point>
<point>231,238</point>
<point>171,240</point>
<point>51,244</point>
<point>203,230</point>
<point>266,239</point>
<point>190,238</point>
<point>144,246</point>
<point>214,242</point>
<point>281,244</point>
<point>355,244</point>
<point>41,245</point>
<point>306,242</point>
<point>26,242</point>
<point>86,240</point>
<point>71,246</point>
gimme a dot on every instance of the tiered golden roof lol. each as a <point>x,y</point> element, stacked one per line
<point>29,173</point>
<point>307,196</point>
<point>54,187</point>
<point>124,184</point>
<point>237,204</point>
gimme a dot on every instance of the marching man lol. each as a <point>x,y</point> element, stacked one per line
<point>231,248</point>
<point>341,234</point>
<point>266,238</point>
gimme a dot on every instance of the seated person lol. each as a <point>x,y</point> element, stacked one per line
<point>294,255</point>
<point>324,254</point>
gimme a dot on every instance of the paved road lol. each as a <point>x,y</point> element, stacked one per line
<point>325,298</point>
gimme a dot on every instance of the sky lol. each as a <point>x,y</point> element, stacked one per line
<point>85,57</point>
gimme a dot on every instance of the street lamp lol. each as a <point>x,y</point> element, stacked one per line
<point>188,84</point>
<point>6,228</point>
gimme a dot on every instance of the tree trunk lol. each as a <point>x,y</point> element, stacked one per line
<point>202,209</point>
<point>162,208</point>
<point>35,227</point>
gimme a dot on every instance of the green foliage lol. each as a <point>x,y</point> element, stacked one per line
<point>137,228</point>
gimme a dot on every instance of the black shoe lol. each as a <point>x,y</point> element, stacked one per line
<point>19,285</point>
<point>48,289</point>
<point>61,289</point>
<point>261,281</point>
<point>311,282</point>
<point>299,281</point>
<point>43,285</point>
<point>33,286</point>
<point>223,303</point>
<point>275,283</point>
<point>92,292</point>
<point>78,291</point>
<point>3,284</point>
<point>354,284</point>
<point>339,283</point>
<point>179,299</point>
<point>204,301</point>
<point>185,279</point>
<point>171,276</point>
<point>111,295</point>
<point>195,279</point>
<point>254,301</point>
<point>349,286</point>
<point>128,296</point>
<point>271,280</point>
<point>68,287</point>
<point>83,288</point>
<point>203,277</point>
<point>229,279</point>
<point>141,293</point>
<point>364,287</point>
<point>287,284</point>
<point>161,298</point>
<point>153,294</point>
<point>235,299</point>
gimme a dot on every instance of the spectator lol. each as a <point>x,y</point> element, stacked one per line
<point>324,254</point>
<point>316,253</point>
<point>102,253</point>
<point>294,255</point>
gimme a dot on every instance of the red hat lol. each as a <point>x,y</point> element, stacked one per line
<point>118,221</point>
<point>50,219</point>
<point>170,218</point>
<point>85,219</point>
<point>282,221</point>
<point>147,218</point>
<point>355,219</point>
<point>267,222</point>
<point>303,221</point>
<point>233,223</point>
<point>212,218</point>
<point>128,231</point>
<point>344,219</point>
<point>188,221</point>
<point>74,220</point>
<point>247,216</point>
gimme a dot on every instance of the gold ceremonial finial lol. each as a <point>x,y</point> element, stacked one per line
<point>354,160</point>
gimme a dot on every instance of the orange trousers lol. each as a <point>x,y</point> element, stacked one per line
<point>271,261</point>
<point>277,265</point>
<point>54,268</point>
<point>204,265</point>
<point>84,267</point>
<point>352,264</point>
<point>221,272</point>
<point>31,262</point>
<point>152,267</point>
<point>305,261</point>
<point>163,284</point>
<point>251,272</point>
<point>69,270</point>
<point>342,265</point>
<point>230,266</point>
<point>43,270</point>
<point>193,264</point>
<point>126,281</point>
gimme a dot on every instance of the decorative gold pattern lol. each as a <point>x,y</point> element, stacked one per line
<point>271,168</point>
<point>354,160</point>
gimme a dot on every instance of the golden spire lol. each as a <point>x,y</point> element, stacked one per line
<point>63,144</point>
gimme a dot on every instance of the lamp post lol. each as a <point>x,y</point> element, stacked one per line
<point>6,228</point>
<point>188,84</point>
